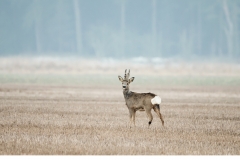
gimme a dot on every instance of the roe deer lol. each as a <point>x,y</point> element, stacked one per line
<point>139,101</point>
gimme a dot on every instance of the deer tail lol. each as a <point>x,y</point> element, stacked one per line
<point>156,100</point>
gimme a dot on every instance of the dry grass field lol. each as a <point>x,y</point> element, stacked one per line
<point>86,115</point>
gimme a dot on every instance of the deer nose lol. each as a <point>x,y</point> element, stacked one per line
<point>124,86</point>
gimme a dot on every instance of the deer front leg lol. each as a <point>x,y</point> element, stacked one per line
<point>132,117</point>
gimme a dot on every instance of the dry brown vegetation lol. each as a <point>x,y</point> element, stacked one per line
<point>63,113</point>
<point>43,119</point>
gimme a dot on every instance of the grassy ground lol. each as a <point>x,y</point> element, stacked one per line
<point>83,120</point>
<point>58,107</point>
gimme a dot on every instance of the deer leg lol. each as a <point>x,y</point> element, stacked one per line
<point>156,108</point>
<point>149,114</point>
<point>131,116</point>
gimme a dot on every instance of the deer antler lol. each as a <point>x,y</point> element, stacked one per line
<point>128,73</point>
<point>125,76</point>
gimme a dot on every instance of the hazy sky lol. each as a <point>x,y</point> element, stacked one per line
<point>118,28</point>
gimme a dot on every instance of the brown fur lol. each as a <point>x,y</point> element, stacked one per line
<point>138,101</point>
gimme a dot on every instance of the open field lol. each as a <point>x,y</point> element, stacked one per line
<point>45,119</point>
<point>59,112</point>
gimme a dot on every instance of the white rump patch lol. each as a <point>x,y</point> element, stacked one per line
<point>156,100</point>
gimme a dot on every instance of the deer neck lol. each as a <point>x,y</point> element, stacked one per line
<point>126,93</point>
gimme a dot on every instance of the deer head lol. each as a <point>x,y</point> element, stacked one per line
<point>126,81</point>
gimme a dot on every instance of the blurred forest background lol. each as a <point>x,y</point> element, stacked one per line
<point>120,28</point>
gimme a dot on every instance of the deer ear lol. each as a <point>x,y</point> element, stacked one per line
<point>131,80</point>
<point>120,78</point>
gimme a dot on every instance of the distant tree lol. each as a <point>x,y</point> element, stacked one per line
<point>62,27</point>
<point>154,27</point>
<point>122,4</point>
<point>78,26</point>
<point>33,18</point>
<point>229,29</point>
<point>123,25</point>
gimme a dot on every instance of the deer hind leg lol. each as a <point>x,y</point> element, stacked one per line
<point>156,108</point>
<point>150,117</point>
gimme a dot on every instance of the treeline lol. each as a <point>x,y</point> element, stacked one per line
<point>120,28</point>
